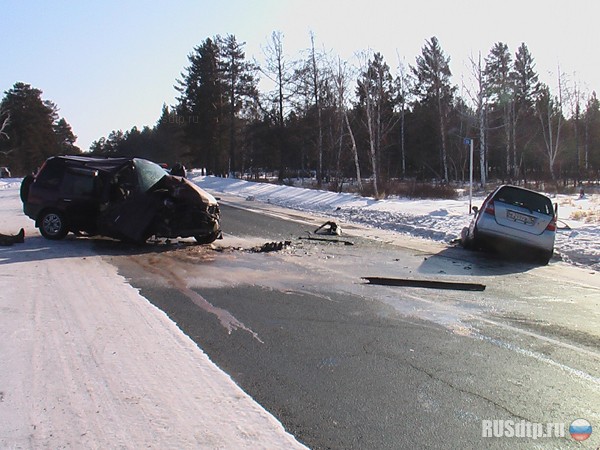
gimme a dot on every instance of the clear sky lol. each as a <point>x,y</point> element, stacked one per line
<point>111,65</point>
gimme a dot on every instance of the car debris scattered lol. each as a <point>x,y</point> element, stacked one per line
<point>272,247</point>
<point>332,229</point>
<point>429,284</point>
<point>9,239</point>
<point>336,241</point>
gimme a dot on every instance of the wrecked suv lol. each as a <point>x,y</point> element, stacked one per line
<point>129,199</point>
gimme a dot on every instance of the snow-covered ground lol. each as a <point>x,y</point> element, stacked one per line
<point>577,241</point>
<point>87,362</point>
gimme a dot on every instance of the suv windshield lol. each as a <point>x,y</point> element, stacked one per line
<point>148,173</point>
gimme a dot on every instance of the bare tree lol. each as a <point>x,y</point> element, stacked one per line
<point>479,99</point>
<point>277,70</point>
<point>316,89</point>
<point>550,113</point>
<point>403,89</point>
<point>341,78</point>
<point>5,124</point>
<point>375,91</point>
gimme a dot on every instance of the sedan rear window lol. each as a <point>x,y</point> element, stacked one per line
<point>525,199</point>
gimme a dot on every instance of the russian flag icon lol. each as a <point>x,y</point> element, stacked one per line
<point>580,429</point>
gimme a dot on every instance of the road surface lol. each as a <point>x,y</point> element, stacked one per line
<point>346,364</point>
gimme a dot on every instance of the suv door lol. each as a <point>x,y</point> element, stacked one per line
<point>79,198</point>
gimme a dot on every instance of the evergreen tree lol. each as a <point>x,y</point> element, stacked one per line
<point>239,84</point>
<point>499,82</point>
<point>30,131</point>
<point>526,87</point>
<point>201,107</point>
<point>591,145</point>
<point>65,137</point>
<point>169,136</point>
<point>433,89</point>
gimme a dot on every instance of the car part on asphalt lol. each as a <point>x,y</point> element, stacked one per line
<point>332,228</point>
<point>430,284</point>
<point>337,241</point>
<point>272,247</point>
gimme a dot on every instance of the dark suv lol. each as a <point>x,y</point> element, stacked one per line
<point>124,198</point>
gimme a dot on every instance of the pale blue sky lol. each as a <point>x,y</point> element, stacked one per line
<point>112,64</point>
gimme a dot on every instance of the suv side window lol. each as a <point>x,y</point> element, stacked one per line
<point>78,185</point>
<point>50,175</point>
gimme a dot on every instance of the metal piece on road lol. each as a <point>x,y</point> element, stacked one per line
<point>429,284</point>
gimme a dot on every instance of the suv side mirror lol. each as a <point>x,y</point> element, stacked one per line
<point>475,209</point>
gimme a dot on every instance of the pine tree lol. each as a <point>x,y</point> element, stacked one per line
<point>498,70</point>
<point>65,138</point>
<point>200,109</point>
<point>239,84</point>
<point>526,87</point>
<point>433,88</point>
<point>31,134</point>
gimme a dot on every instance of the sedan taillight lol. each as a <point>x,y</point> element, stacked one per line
<point>552,225</point>
<point>489,208</point>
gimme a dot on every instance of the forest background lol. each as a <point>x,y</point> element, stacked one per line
<point>363,124</point>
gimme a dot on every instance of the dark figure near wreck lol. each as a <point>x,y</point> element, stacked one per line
<point>178,170</point>
<point>9,239</point>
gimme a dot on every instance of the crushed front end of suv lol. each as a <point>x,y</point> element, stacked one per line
<point>129,199</point>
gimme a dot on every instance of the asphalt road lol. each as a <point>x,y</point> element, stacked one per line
<point>348,365</point>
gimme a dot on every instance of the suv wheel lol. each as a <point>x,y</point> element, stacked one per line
<point>206,239</point>
<point>53,225</point>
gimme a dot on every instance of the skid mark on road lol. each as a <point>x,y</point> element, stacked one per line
<point>226,319</point>
<point>575,372</point>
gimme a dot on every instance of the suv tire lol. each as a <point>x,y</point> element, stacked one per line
<point>206,239</point>
<point>52,225</point>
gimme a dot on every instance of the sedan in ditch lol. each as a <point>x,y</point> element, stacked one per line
<point>514,220</point>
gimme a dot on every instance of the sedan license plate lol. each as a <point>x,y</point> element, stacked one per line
<point>518,217</point>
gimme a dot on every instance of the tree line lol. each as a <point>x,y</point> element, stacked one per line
<point>317,115</point>
<point>31,130</point>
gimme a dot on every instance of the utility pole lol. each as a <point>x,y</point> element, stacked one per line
<point>469,142</point>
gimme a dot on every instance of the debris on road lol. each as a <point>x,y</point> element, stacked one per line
<point>338,241</point>
<point>272,247</point>
<point>9,239</point>
<point>430,284</point>
<point>332,228</point>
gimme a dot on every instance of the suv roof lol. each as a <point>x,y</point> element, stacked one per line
<point>96,163</point>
